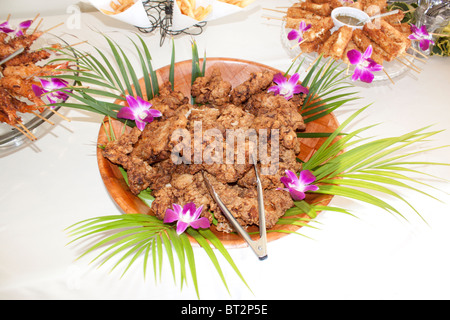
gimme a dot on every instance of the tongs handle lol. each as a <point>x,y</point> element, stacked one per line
<point>12,55</point>
<point>259,246</point>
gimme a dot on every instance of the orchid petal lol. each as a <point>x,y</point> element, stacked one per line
<point>356,74</point>
<point>140,124</point>
<point>368,53</point>
<point>291,175</point>
<point>132,103</point>
<point>181,227</point>
<point>366,76</point>
<point>311,187</point>
<point>170,216</point>
<point>306,177</point>
<point>200,223</point>
<point>279,79</point>
<point>294,78</point>
<point>126,113</point>
<point>300,89</point>
<point>155,113</point>
<point>354,56</point>
<point>274,89</point>
<point>293,34</point>
<point>38,91</point>
<point>285,181</point>
<point>297,195</point>
<point>25,24</point>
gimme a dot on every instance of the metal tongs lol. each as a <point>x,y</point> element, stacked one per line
<point>12,55</point>
<point>259,246</point>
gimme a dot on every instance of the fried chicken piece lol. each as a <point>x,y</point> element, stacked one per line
<point>155,143</point>
<point>379,37</point>
<point>315,45</point>
<point>32,70</point>
<point>20,87</point>
<point>322,9</point>
<point>362,41</point>
<point>211,89</point>
<point>168,101</point>
<point>28,57</point>
<point>270,176</point>
<point>275,107</point>
<point>317,30</point>
<point>241,202</point>
<point>396,36</point>
<point>299,13</point>
<point>338,47</point>
<point>257,82</point>
<point>294,23</point>
<point>117,151</point>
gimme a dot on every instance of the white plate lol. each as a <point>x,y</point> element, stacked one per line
<point>392,69</point>
<point>10,137</point>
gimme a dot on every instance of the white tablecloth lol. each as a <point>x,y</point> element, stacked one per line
<point>54,182</point>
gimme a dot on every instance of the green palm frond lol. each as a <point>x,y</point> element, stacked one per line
<point>129,236</point>
<point>356,169</point>
<point>97,78</point>
<point>324,82</point>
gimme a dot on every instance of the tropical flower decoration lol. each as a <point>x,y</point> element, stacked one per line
<point>348,167</point>
<point>5,27</point>
<point>287,88</point>
<point>138,110</point>
<point>421,34</point>
<point>48,88</point>
<point>294,34</point>
<point>187,216</point>
<point>365,66</point>
<point>297,186</point>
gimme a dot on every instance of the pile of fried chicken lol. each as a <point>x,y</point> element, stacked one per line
<point>388,36</point>
<point>147,155</point>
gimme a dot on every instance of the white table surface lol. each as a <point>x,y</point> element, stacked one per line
<point>47,185</point>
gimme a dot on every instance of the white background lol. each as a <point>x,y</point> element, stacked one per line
<point>54,182</point>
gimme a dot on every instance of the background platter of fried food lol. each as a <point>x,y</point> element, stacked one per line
<point>118,7</point>
<point>239,3</point>
<point>190,9</point>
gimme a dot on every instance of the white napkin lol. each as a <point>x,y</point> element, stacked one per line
<point>134,15</point>
<point>137,16</point>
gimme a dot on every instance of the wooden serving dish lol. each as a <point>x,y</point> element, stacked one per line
<point>235,71</point>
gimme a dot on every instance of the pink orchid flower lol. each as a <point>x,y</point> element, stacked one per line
<point>5,27</point>
<point>187,216</point>
<point>365,66</point>
<point>297,186</point>
<point>23,26</point>
<point>139,111</point>
<point>294,34</point>
<point>47,86</point>
<point>287,88</point>
<point>421,34</point>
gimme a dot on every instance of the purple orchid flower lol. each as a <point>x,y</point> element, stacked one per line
<point>50,85</point>
<point>138,110</point>
<point>5,27</point>
<point>23,26</point>
<point>294,34</point>
<point>365,66</point>
<point>186,216</point>
<point>421,34</point>
<point>287,88</point>
<point>297,186</point>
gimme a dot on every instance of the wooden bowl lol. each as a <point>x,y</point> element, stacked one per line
<point>235,71</point>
